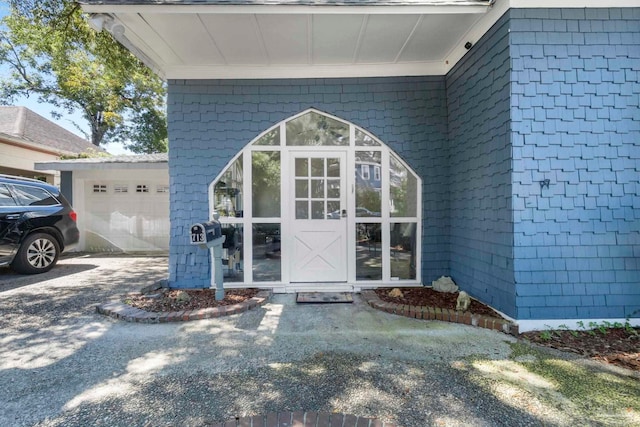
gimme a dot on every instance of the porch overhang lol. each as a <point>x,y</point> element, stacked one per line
<point>302,39</point>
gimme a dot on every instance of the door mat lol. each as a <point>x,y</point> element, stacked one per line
<point>324,297</point>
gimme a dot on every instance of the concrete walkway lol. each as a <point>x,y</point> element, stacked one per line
<point>62,364</point>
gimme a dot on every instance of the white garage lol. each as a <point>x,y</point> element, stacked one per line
<point>122,201</point>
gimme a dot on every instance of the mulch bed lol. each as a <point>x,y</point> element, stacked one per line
<point>166,300</point>
<point>618,346</point>
<point>427,297</point>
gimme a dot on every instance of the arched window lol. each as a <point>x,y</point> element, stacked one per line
<point>317,202</point>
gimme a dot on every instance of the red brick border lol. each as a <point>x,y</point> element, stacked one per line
<point>128,313</point>
<point>304,419</point>
<point>443,314</point>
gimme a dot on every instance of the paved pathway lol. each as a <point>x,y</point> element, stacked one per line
<point>63,364</point>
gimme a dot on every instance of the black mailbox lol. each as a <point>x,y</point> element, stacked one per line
<point>205,232</point>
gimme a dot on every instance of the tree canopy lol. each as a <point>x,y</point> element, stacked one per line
<point>51,53</point>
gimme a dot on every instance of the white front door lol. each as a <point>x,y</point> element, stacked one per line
<point>319,252</point>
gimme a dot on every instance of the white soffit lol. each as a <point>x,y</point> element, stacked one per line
<point>272,41</point>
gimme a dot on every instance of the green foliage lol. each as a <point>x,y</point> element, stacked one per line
<point>53,54</point>
<point>266,183</point>
<point>546,335</point>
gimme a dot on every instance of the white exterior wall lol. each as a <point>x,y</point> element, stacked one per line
<point>122,221</point>
<point>14,160</point>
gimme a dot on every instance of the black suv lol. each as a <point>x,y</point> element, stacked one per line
<point>36,224</point>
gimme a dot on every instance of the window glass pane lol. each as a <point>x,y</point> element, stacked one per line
<point>302,167</point>
<point>33,196</point>
<point>266,184</point>
<point>266,252</point>
<point>403,250</point>
<point>317,188</point>
<point>368,191</point>
<point>232,253</point>
<point>333,188</point>
<point>317,210</point>
<point>333,167</point>
<point>313,129</point>
<point>368,252</point>
<point>302,188</point>
<point>403,190</point>
<point>5,197</point>
<point>333,209</point>
<point>227,191</point>
<point>362,139</point>
<point>302,210</point>
<point>270,138</point>
<point>317,167</point>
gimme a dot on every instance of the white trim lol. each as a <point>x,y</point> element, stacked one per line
<point>270,9</point>
<point>569,4</point>
<point>426,68</point>
<point>542,325</point>
<point>76,166</point>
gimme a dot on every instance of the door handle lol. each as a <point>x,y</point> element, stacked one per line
<point>344,213</point>
<point>13,216</point>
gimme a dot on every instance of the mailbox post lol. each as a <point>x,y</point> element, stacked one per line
<point>209,235</point>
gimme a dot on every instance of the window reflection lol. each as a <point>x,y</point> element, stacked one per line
<point>266,252</point>
<point>368,252</point>
<point>313,129</point>
<point>266,183</point>
<point>362,139</point>
<point>270,138</point>
<point>368,183</point>
<point>403,250</point>
<point>227,191</point>
<point>232,253</point>
<point>403,189</point>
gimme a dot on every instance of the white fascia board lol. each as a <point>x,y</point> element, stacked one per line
<point>75,166</point>
<point>571,4</point>
<point>433,68</point>
<point>287,9</point>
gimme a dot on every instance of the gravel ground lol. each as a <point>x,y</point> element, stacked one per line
<point>61,364</point>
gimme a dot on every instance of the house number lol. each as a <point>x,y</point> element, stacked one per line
<point>197,235</point>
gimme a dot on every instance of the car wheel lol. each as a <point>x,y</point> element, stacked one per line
<point>38,253</point>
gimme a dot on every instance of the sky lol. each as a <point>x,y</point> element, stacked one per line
<point>44,109</point>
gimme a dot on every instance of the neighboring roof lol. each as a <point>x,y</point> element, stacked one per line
<point>140,161</point>
<point>22,124</point>
<point>294,2</point>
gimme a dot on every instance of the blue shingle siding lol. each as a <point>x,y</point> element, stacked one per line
<point>576,121</point>
<point>211,121</point>
<point>545,94</point>
<point>481,243</point>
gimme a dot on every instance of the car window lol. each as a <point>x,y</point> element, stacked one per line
<point>5,197</point>
<point>34,196</point>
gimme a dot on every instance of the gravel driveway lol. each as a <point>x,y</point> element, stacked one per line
<point>61,364</point>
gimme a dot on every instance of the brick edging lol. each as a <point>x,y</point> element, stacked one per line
<point>436,313</point>
<point>304,419</point>
<point>128,313</point>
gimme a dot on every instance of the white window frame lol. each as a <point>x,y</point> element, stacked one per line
<point>385,219</point>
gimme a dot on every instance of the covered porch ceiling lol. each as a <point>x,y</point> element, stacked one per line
<point>306,39</point>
